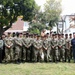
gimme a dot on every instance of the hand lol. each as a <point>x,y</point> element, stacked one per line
<point>45,48</point>
<point>59,46</point>
<point>8,46</point>
<point>38,48</point>
<point>21,45</point>
<point>27,47</point>
<point>52,46</point>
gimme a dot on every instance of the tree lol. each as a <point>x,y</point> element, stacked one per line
<point>52,11</point>
<point>11,9</point>
<point>37,27</point>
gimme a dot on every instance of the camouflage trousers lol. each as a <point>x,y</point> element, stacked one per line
<point>54,54</point>
<point>24,54</point>
<point>61,54</point>
<point>9,54</point>
<point>45,55</point>
<point>71,53</point>
<point>28,51</point>
<point>49,54</point>
<point>37,55</point>
<point>67,55</point>
<point>32,53</point>
<point>18,53</point>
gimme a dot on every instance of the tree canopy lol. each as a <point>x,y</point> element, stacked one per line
<point>11,9</point>
<point>37,27</point>
<point>52,11</point>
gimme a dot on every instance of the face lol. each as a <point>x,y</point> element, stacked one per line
<point>20,35</point>
<point>62,35</point>
<point>38,37</point>
<point>0,37</point>
<point>3,36</point>
<point>70,36</point>
<point>59,36</point>
<point>53,36</point>
<point>66,36</point>
<point>74,35</point>
<point>44,38</point>
<point>56,36</point>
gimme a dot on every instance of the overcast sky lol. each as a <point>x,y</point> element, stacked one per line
<point>68,6</point>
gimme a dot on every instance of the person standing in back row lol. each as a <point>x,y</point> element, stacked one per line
<point>71,53</point>
<point>67,48</point>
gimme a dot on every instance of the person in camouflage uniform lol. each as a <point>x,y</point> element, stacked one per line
<point>9,48</point>
<point>49,48</point>
<point>31,48</point>
<point>34,39</point>
<point>54,49</point>
<point>61,49</point>
<point>63,46</point>
<point>24,48</point>
<point>28,43</point>
<point>67,48</point>
<point>37,49</point>
<point>18,48</point>
<point>70,38</point>
<point>45,48</point>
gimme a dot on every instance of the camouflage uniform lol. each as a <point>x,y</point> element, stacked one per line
<point>61,49</point>
<point>18,48</point>
<point>71,53</point>
<point>54,49</point>
<point>8,49</point>
<point>28,44</point>
<point>32,51</point>
<point>33,55</point>
<point>67,50</point>
<point>49,49</point>
<point>45,49</point>
<point>37,49</point>
<point>24,49</point>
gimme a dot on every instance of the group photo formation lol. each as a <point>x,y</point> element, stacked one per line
<point>26,47</point>
<point>37,37</point>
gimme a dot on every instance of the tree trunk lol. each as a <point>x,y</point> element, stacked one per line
<point>1,30</point>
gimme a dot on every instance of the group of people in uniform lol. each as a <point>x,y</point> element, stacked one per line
<point>26,47</point>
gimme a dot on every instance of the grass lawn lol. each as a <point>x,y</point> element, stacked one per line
<point>38,69</point>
